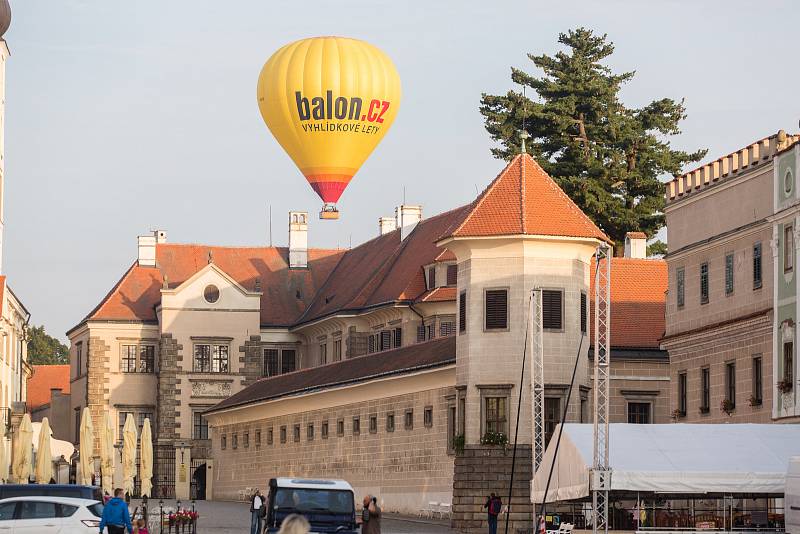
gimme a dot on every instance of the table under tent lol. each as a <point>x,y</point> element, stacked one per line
<point>725,477</point>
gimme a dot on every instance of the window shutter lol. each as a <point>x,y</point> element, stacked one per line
<point>462,312</point>
<point>496,309</point>
<point>431,277</point>
<point>452,274</point>
<point>386,340</point>
<point>420,334</point>
<point>583,313</point>
<point>552,309</point>
<point>398,337</point>
<point>371,344</point>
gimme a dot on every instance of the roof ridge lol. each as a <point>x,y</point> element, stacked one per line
<point>522,184</point>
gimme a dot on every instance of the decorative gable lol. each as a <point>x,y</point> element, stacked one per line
<point>211,288</point>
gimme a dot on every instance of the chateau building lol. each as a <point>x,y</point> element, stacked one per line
<point>387,364</point>
<point>732,303</point>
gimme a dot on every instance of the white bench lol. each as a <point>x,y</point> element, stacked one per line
<point>564,528</point>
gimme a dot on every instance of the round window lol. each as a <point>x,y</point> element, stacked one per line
<point>787,181</point>
<point>211,293</point>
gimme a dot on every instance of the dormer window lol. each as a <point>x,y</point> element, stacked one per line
<point>452,274</point>
<point>431,277</point>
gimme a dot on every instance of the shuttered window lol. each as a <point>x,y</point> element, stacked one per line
<point>583,313</point>
<point>420,333</point>
<point>757,266</point>
<point>386,340</point>
<point>462,312</point>
<point>452,275</point>
<point>398,337</point>
<point>553,309</point>
<point>496,309</point>
<point>431,277</point>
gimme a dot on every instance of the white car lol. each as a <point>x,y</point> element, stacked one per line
<point>49,515</point>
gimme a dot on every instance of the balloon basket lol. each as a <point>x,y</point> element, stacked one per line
<point>330,215</point>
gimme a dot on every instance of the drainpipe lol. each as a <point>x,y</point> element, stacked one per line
<point>22,340</point>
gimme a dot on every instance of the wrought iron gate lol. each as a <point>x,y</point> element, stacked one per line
<point>198,471</point>
<point>164,472</point>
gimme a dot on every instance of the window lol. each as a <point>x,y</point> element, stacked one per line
<point>128,359</point>
<point>729,274</point>
<point>223,442</point>
<point>427,417</point>
<point>235,441</point>
<point>584,314</point>
<point>431,277</point>
<point>398,337</point>
<point>200,426</point>
<point>420,333</point>
<point>496,313</point>
<point>324,430</point>
<point>7,511</point>
<point>451,428</point>
<point>356,426</point>
<point>757,266</point>
<point>370,344</point>
<point>288,360</point>
<point>337,350</point>
<point>452,274</point>
<point>705,389</point>
<point>340,427</point>
<point>270,436</point>
<point>211,293</point>
<point>258,438</point>
<point>552,416</point>
<point>787,181</point>
<point>552,309</point>
<point>496,414</point>
<point>639,413</point>
<point>788,249</point>
<point>704,283</point>
<point>77,425</point>
<point>271,363</point>
<point>147,358</point>
<point>447,328</point>
<point>386,340</point>
<point>210,358</point>
<point>390,422</point>
<point>682,392</point>
<point>430,331</point>
<point>68,511</point>
<point>409,420</point>
<point>138,418</point>
<point>310,432</point>
<point>37,510</point>
<point>788,362</point>
<point>246,440</point>
<point>373,424</point>
<point>323,353</point>
<point>730,383</point>
<point>78,358</point>
<point>758,391</point>
<point>584,409</point>
<point>680,283</point>
<point>462,312</point>
<point>283,434</point>
<point>296,433</point>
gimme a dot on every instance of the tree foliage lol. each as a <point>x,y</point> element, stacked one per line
<point>607,157</point>
<point>44,349</point>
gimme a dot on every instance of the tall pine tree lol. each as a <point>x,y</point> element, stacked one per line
<point>607,157</point>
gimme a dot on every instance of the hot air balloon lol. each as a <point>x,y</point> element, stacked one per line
<point>329,101</point>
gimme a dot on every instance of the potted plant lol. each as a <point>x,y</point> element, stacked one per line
<point>458,444</point>
<point>727,406</point>
<point>754,401</point>
<point>677,414</point>
<point>784,386</point>
<point>494,438</point>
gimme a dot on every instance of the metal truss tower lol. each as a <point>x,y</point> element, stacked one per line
<point>536,326</point>
<point>601,471</point>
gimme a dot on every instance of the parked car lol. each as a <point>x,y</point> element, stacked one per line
<point>792,496</point>
<point>50,515</point>
<point>51,490</point>
<point>329,505</point>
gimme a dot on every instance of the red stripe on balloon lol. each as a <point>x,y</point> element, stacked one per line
<point>329,191</point>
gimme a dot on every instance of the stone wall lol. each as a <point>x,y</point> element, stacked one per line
<point>481,470</point>
<point>646,381</point>
<point>404,468</point>
<point>97,391</point>
<point>167,381</point>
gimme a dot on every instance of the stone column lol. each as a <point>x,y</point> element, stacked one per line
<point>17,411</point>
<point>209,479</point>
<point>183,461</point>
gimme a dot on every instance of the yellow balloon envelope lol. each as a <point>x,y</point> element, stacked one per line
<point>329,101</point>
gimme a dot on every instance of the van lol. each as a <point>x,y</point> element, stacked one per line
<point>328,505</point>
<point>792,496</point>
<point>51,490</point>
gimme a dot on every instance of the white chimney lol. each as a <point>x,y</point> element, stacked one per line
<point>147,247</point>
<point>298,239</point>
<point>386,225</point>
<point>407,219</point>
<point>636,245</point>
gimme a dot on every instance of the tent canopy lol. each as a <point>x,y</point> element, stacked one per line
<point>672,458</point>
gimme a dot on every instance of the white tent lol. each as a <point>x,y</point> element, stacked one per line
<point>672,458</point>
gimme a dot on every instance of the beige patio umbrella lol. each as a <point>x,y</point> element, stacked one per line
<point>87,448</point>
<point>23,454</point>
<point>146,461</point>
<point>128,454</point>
<point>108,457</point>
<point>3,460</point>
<point>44,456</point>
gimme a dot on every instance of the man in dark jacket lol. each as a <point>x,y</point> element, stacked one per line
<point>493,506</point>
<point>115,515</point>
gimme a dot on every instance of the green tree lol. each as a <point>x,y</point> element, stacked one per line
<point>44,349</point>
<point>607,157</point>
<point>657,248</point>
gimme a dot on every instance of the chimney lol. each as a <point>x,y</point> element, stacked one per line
<point>636,245</point>
<point>147,247</point>
<point>407,219</point>
<point>386,225</point>
<point>298,239</point>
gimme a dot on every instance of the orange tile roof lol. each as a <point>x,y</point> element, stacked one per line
<point>445,255</point>
<point>524,200</point>
<point>438,294</point>
<point>45,378</point>
<point>638,300</point>
<point>636,235</point>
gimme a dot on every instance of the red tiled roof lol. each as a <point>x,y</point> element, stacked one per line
<point>438,294</point>
<point>523,199</point>
<point>445,255</point>
<point>636,235</point>
<point>45,378</point>
<point>638,301</point>
<point>408,359</point>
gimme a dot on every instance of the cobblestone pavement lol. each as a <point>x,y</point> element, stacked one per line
<point>223,517</point>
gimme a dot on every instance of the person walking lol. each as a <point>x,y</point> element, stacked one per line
<point>371,516</point>
<point>256,512</point>
<point>295,524</point>
<point>116,515</point>
<point>493,506</point>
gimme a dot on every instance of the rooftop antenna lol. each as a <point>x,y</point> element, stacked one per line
<point>270,225</point>
<point>524,134</point>
<point>351,241</point>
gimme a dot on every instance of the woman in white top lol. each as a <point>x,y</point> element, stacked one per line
<point>256,508</point>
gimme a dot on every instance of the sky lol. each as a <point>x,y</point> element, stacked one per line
<point>122,117</point>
